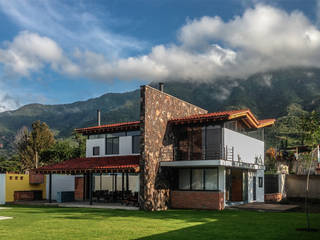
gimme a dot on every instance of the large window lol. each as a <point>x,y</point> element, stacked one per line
<point>112,145</point>
<point>198,143</point>
<point>184,179</point>
<point>204,179</point>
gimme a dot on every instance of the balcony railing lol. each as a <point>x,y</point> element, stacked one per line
<point>207,153</point>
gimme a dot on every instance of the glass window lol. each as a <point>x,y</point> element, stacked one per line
<point>211,179</point>
<point>135,144</point>
<point>260,182</point>
<point>117,134</point>
<point>112,145</point>
<point>96,136</point>
<point>184,179</point>
<point>96,151</point>
<point>197,179</point>
<point>133,133</point>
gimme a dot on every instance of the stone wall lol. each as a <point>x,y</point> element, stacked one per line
<point>197,200</point>
<point>156,108</point>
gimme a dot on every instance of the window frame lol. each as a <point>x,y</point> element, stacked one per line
<point>260,180</point>
<point>93,150</point>
<point>132,144</point>
<point>112,148</point>
<point>203,180</point>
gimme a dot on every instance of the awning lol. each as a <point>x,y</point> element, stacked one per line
<point>129,163</point>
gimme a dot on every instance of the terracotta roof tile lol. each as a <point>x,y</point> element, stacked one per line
<point>225,115</point>
<point>110,127</point>
<point>94,164</point>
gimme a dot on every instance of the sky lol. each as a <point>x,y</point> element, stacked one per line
<point>55,52</point>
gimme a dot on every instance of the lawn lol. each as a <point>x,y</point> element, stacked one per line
<point>81,223</point>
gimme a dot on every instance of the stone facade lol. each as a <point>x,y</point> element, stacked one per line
<point>156,108</point>
<point>197,200</point>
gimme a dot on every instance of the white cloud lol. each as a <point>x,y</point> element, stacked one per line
<point>71,25</point>
<point>263,38</point>
<point>29,52</point>
<point>7,102</point>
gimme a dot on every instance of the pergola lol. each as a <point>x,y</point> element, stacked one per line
<point>89,166</point>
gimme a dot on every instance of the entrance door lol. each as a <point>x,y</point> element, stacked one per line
<point>236,189</point>
<point>254,188</point>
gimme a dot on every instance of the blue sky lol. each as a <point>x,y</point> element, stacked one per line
<point>55,52</point>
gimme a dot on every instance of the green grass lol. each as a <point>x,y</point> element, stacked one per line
<point>81,223</point>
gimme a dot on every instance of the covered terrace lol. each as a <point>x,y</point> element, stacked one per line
<point>94,169</point>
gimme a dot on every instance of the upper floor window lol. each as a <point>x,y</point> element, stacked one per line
<point>96,151</point>
<point>96,136</point>
<point>112,145</point>
<point>136,144</point>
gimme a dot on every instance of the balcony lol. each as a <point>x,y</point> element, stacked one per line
<point>235,150</point>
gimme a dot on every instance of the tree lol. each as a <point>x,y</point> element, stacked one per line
<point>11,164</point>
<point>60,151</point>
<point>41,138</point>
<point>80,150</point>
<point>310,124</point>
<point>23,148</point>
<point>29,145</point>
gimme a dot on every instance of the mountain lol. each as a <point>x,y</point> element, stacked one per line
<point>267,94</point>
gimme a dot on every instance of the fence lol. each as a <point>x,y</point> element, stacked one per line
<point>296,186</point>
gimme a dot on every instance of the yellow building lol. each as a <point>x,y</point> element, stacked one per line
<point>21,183</point>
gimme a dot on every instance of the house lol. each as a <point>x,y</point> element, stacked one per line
<point>177,155</point>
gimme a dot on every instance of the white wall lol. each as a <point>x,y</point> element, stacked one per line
<point>222,181</point>
<point>59,183</point>
<point>251,174</point>
<point>2,188</point>
<point>125,146</point>
<point>260,190</point>
<point>100,142</point>
<point>246,148</point>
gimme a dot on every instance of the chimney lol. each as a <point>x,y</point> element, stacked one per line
<point>161,84</point>
<point>99,117</point>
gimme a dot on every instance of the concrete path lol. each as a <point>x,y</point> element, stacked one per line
<point>97,205</point>
<point>265,207</point>
<point>78,204</point>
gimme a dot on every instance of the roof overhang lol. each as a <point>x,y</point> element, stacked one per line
<point>128,163</point>
<point>245,115</point>
<point>109,128</point>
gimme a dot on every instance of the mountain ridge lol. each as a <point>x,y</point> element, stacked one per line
<point>267,94</point>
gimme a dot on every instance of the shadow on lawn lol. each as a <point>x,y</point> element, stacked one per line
<point>236,228</point>
<point>192,224</point>
<point>96,213</point>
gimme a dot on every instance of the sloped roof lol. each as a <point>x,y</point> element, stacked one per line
<point>94,164</point>
<point>124,126</point>
<point>246,114</point>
